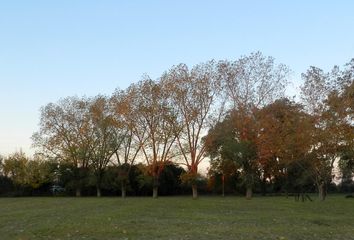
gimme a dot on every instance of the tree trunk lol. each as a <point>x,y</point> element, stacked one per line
<point>195,191</point>
<point>78,192</point>
<point>155,192</point>
<point>98,191</point>
<point>123,189</point>
<point>98,183</point>
<point>321,191</point>
<point>249,193</point>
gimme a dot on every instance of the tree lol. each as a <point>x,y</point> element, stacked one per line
<point>154,127</point>
<point>249,84</point>
<point>229,140</point>
<point>107,137</point>
<point>129,144</point>
<point>66,134</point>
<point>39,171</point>
<point>314,91</point>
<point>284,140</point>
<point>14,167</point>
<point>194,96</point>
<point>325,97</point>
<point>340,113</point>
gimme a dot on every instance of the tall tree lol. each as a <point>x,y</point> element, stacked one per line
<point>283,139</point>
<point>65,134</point>
<point>249,84</point>
<point>107,137</point>
<point>129,144</point>
<point>333,129</point>
<point>194,95</point>
<point>154,125</point>
<point>233,140</point>
<point>339,115</point>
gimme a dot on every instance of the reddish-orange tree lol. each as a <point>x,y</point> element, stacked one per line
<point>249,84</point>
<point>283,139</point>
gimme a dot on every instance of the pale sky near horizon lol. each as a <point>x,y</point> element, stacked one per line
<point>55,49</point>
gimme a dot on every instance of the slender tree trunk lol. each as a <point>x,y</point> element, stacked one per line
<point>78,192</point>
<point>249,193</point>
<point>98,183</point>
<point>98,189</point>
<point>155,186</point>
<point>321,191</point>
<point>123,189</point>
<point>155,192</point>
<point>195,191</point>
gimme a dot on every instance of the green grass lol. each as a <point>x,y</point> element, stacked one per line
<point>176,218</point>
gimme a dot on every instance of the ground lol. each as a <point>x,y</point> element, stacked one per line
<point>176,218</point>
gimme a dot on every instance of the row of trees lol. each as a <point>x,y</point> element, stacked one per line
<point>232,112</point>
<point>21,175</point>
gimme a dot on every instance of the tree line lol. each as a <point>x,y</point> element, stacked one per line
<point>233,114</point>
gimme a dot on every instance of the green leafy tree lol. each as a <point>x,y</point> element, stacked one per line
<point>232,140</point>
<point>14,167</point>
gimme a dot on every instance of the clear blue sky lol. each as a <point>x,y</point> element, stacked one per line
<point>54,49</point>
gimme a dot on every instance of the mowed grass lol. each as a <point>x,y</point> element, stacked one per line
<point>176,218</point>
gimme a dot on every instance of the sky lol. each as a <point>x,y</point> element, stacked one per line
<point>54,49</point>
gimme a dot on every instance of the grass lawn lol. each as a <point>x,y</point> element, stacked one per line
<point>176,218</point>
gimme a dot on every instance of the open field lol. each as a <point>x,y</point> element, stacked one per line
<point>176,218</point>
